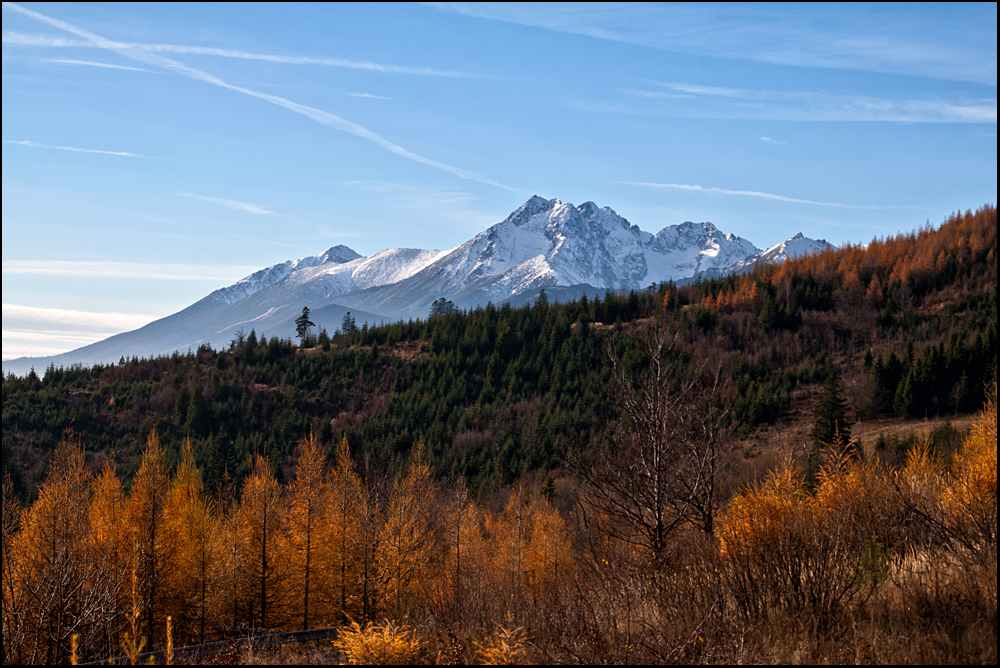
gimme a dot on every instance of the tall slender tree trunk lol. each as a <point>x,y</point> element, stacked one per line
<point>204,571</point>
<point>152,575</point>
<point>263,573</point>
<point>305,614</point>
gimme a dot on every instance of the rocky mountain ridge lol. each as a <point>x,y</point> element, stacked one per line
<point>544,244</point>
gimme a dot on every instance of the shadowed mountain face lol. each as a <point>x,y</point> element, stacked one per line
<point>543,244</point>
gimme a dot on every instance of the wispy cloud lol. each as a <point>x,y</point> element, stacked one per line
<point>18,317</point>
<point>654,94</point>
<point>370,96</point>
<point>32,343</point>
<point>715,91</point>
<point>13,38</point>
<point>31,331</point>
<point>231,203</point>
<point>127,270</point>
<point>123,154</point>
<point>698,101</point>
<point>91,63</point>
<point>318,115</point>
<point>299,60</point>
<point>770,140</point>
<point>958,45</point>
<point>52,341</point>
<point>758,195</point>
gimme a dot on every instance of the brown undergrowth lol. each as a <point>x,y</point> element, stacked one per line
<point>870,563</point>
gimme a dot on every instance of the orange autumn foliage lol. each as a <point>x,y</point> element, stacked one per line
<point>906,259</point>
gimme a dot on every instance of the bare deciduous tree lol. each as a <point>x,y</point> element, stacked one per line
<point>656,470</point>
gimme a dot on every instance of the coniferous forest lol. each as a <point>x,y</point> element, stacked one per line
<point>672,475</point>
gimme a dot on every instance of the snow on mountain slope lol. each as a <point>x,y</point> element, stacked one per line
<point>336,271</point>
<point>543,244</point>
<point>552,243</point>
<point>268,276</point>
<point>589,245</point>
<point>684,250</point>
<point>797,246</point>
<point>384,267</point>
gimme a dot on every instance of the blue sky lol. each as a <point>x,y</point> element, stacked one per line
<point>153,153</point>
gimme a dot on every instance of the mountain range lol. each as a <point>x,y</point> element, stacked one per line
<point>545,244</point>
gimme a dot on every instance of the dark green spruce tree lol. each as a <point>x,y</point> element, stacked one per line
<point>348,325</point>
<point>303,323</point>
<point>830,425</point>
<point>442,306</point>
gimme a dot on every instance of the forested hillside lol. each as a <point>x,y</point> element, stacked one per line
<point>555,483</point>
<point>909,324</point>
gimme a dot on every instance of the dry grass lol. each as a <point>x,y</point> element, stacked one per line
<point>503,648</point>
<point>933,610</point>
<point>406,351</point>
<point>316,653</point>
<point>383,645</point>
<point>869,431</point>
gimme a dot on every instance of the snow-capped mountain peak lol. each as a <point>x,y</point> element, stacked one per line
<point>530,209</point>
<point>338,255</point>
<point>680,251</point>
<point>548,242</point>
<point>796,246</point>
<point>544,243</point>
<point>268,276</point>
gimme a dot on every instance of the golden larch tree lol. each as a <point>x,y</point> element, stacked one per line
<point>348,537</point>
<point>59,569</point>
<point>261,515</point>
<point>15,594</point>
<point>549,560</point>
<point>110,536</point>
<point>147,517</point>
<point>510,534</point>
<point>406,541</point>
<point>462,535</point>
<point>194,531</point>
<point>308,497</point>
<point>971,500</point>
<point>232,598</point>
